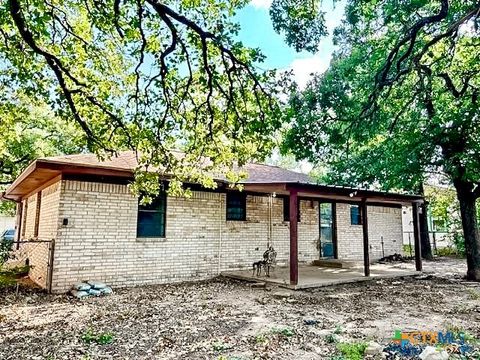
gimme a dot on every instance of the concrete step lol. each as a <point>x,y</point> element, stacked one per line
<point>334,263</point>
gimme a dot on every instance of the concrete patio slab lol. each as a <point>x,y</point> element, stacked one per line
<point>310,276</point>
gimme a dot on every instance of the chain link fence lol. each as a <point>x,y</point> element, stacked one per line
<point>35,257</point>
<point>438,240</point>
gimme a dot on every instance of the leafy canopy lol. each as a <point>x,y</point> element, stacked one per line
<point>150,76</point>
<point>400,99</point>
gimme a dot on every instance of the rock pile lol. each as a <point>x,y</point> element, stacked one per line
<point>90,288</point>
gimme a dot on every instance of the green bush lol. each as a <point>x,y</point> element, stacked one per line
<point>5,250</point>
<point>352,351</point>
<point>101,339</point>
<point>459,243</point>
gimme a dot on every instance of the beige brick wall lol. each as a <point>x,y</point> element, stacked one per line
<point>30,216</point>
<point>38,252</point>
<point>100,241</point>
<point>48,220</point>
<point>382,221</point>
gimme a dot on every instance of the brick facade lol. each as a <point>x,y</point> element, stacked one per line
<point>99,241</point>
<point>383,222</point>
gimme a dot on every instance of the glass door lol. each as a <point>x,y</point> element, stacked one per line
<point>327,233</point>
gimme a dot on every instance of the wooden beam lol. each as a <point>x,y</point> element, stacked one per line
<point>293,237</point>
<point>366,245</point>
<point>416,236</point>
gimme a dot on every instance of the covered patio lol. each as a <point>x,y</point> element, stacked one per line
<point>311,276</point>
<point>305,276</point>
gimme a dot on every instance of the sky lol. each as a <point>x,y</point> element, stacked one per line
<point>257,31</point>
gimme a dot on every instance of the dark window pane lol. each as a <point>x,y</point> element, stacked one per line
<point>355,216</point>
<point>236,206</point>
<point>286,209</point>
<point>152,217</point>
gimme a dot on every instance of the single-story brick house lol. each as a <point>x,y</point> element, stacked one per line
<point>101,232</point>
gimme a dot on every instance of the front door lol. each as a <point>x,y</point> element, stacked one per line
<point>327,230</point>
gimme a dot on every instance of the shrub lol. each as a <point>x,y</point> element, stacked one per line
<point>5,250</point>
<point>101,339</point>
<point>352,351</point>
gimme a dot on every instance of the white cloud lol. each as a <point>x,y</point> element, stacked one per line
<point>304,67</point>
<point>261,4</point>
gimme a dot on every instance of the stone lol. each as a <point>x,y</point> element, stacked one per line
<point>258,285</point>
<point>79,294</point>
<point>97,285</point>
<point>106,291</point>
<point>281,294</point>
<point>310,322</point>
<point>431,353</point>
<point>81,287</point>
<point>373,348</point>
<point>94,292</point>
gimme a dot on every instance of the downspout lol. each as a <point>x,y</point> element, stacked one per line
<point>220,234</point>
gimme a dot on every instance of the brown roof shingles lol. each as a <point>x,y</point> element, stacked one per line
<point>257,173</point>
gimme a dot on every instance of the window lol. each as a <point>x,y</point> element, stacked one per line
<point>152,217</point>
<point>355,215</point>
<point>286,209</point>
<point>236,206</point>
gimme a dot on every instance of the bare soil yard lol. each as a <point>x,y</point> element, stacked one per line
<point>222,319</point>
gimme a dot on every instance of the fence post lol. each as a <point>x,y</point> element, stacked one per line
<point>51,254</point>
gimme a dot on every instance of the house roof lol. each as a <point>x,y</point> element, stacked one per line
<point>261,178</point>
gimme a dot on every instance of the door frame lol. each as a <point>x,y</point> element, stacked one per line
<point>334,228</point>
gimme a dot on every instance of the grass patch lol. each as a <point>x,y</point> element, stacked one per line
<point>338,330</point>
<point>352,351</point>
<point>101,338</point>
<point>8,277</point>
<point>286,331</point>
<point>219,346</point>
<point>474,294</point>
<point>331,339</point>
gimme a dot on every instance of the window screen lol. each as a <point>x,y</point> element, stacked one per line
<point>236,206</point>
<point>355,215</point>
<point>152,217</point>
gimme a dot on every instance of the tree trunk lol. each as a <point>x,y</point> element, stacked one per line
<point>426,248</point>
<point>468,214</point>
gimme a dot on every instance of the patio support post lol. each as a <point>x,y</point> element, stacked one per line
<point>416,236</point>
<point>366,246</point>
<point>293,237</point>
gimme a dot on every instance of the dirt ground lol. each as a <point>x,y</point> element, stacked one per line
<point>223,319</point>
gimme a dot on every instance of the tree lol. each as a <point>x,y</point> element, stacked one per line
<point>30,131</point>
<point>399,102</point>
<point>149,76</point>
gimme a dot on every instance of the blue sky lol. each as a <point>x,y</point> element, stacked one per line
<point>257,31</point>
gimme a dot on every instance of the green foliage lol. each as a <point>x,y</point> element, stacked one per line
<point>352,351</point>
<point>338,330</point>
<point>474,294</point>
<point>219,346</point>
<point>7,208</point>
<point>99,338</point>
<point>153,77</point>
<point>374,132</point>
<point>30,130</point>
<point>331,339</point>
<point>302,22</point>
<point>399,102</point>
<point>285,331</point>
<point>447,251</point>
<point>5,250</point>
<point>8,277</point>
